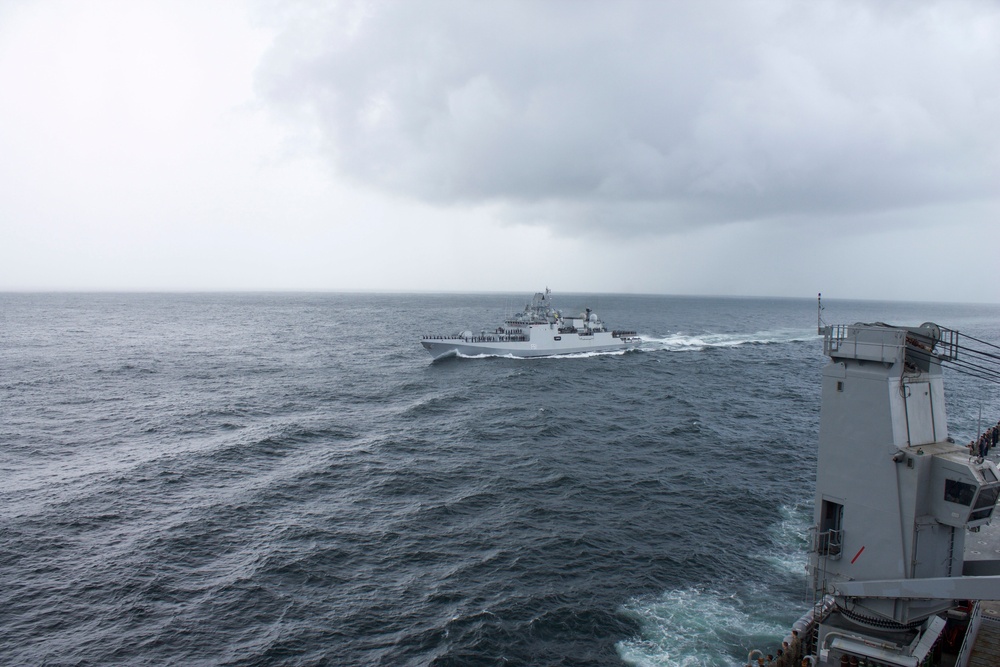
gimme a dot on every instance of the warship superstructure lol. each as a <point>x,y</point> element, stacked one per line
<point>538,331</point>
<point>897,500</point>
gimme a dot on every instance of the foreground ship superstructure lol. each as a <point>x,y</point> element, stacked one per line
<point>538,331</point>
<point>896,499</point>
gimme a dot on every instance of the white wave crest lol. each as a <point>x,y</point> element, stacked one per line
<point>693,628</point>
<point>680,342</point>
<point>788,547</point>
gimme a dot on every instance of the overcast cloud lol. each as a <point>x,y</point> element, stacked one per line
<point>758,148</point>
<point>645,117</point>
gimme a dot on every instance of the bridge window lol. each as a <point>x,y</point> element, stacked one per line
<point>959,492</point>
<point>984,503</point>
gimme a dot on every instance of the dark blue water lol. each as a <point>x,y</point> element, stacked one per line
<point>288,479</point>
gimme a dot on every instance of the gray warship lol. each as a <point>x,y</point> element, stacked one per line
<point>538,331</point>
<point>903,566</point>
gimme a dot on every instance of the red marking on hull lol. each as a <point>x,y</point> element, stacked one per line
<point>856,555</point>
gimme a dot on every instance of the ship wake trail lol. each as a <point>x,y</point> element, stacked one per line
<point>704,626</point>
<point>694,627</point>
<point>681,342</point>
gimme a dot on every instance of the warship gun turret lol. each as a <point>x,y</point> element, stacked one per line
<point>538,331</point>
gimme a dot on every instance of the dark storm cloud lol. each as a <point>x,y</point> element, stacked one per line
<point>647,116</point>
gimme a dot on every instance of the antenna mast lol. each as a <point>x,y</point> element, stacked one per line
<point>819,314</point>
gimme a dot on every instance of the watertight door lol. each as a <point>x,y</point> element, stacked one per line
<point>919,416</point>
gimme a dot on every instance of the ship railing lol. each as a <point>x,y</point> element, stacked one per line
<point>946,347</point>
<point>830,543</point>
<point>835,335</point>
<point>801,641</point>
<point>969,641</point>
<point>528,323</point>
<point>496,339</point>
<point>482,339</point>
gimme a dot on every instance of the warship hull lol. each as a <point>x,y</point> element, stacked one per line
<point>566,344</point>
<point>538,331</point>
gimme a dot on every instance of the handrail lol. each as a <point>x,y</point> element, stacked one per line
<point>965,652</point>
<point>830,543</point>
<point>481,339</point>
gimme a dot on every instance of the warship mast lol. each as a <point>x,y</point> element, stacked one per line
<point>895,499</point>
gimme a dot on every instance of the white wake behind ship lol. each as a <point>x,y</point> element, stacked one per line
<point>538,331</point>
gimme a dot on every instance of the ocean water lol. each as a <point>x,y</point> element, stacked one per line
<point>288,479</point>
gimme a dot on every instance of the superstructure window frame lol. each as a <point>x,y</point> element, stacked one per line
<point>958,492</point>
<point>985,502</point>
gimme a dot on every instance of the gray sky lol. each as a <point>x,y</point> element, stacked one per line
<point>765,148</point>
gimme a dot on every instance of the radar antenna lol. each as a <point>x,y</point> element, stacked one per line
<point>820,324</point>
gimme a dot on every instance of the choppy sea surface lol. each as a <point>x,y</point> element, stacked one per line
<point>288,479</point>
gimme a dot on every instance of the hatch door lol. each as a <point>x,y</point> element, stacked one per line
<point>919,415</point>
